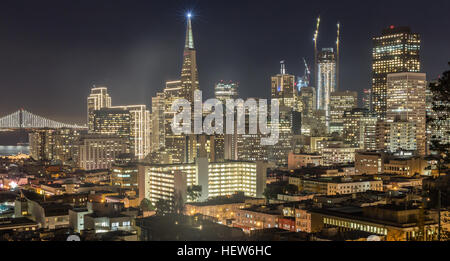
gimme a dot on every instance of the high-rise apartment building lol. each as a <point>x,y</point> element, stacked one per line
<point>396,50</point>
<point>57,145</point>
<point>406,101</point>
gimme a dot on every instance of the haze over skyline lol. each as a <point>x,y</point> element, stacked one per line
<point>52,52</point>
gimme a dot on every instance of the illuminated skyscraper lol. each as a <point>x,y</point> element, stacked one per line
<point>307,98</point>
<point>226,90</point>
<point>284,89</point>
<point>339,103</point>
<point>248,146</point>
<point>139,129</point>
<point>367,132</point>
<point>406,101</point>
<point>279,152</point>
<point>114,121</point>
<point>351,127</point>
<point>98,99</point>
<point>396,50</point>
<point>326,79</point>
<point>367,99</point>
<point>226,144</point>
<point>189,73</point>
<point>157,139</point>
<point>54,145</point>
<point>176,145</point>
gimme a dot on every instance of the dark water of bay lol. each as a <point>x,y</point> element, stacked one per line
<point>9,143</point>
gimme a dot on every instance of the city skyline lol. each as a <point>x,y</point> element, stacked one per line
<point>225,54</point>
<point>316,152</point>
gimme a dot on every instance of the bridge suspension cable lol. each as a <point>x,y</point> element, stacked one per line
<point>23,119</point>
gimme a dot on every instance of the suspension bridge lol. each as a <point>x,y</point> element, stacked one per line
<point>23,119</point>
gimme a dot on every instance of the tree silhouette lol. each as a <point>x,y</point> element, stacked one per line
<point>162,207</point>
<point>194,192</point>
<point>146,205</point>
<point>439,120</point>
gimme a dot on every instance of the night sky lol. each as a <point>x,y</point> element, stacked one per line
<point>52,52</point>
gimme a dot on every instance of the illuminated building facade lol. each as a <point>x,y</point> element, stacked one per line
<point>248,146</point>
<point>406,96</point>
<point>223,208</point>
<point>335,155</point>
<point>341,102</point>
<point>393,223</point>
<point>65,149</point>
<point>157,140</point>
<point>125,176</point>
<point>401,136</point>
<point>307,98</point>
<point>189,73</point>
<point>98,99</point>
<point>369,163</point>
<point>205,146</point>
<point>283,88</point>
<point>367,99</point>
<point>396,50</point>
<point>54,145</point>
<point>175,145</point>
<point>113,121</point>
<point>279,152</point>
<point>340,185</point>
<point>368,131</point>
<point>226,90</point>
<point>352,126</point>
<point>326,79</point>
<point>216,179</point>
<point>42,144</point>
<point>100,151</point>
<point>139,129</point>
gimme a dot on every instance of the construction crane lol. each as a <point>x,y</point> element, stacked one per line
<point>316,37</point>
<point>307,75</point>
<point>307,71</point>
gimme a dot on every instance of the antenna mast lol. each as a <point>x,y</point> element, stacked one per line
<point>337,55</point>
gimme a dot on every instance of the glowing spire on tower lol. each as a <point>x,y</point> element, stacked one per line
<point>189,36</point>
